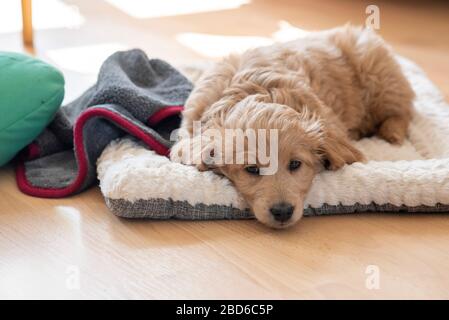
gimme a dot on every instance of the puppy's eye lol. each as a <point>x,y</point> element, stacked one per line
<point>294,165</point>
<point>253,170</point>
<point>326,164</point>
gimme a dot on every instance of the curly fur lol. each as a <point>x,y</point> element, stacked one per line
<point>320,92</point>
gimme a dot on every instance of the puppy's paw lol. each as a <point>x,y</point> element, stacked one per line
<point>392,136</point>
<point>176,154</point>
<point>393,130</point>
<point>189,152</point>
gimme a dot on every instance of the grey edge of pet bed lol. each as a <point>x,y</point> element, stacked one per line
<point>414,177</point>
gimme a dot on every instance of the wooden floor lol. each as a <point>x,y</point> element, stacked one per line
<point>76,248</point>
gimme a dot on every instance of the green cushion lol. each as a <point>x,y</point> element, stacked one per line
<point>31,91</point>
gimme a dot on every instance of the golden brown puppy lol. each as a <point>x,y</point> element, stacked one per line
<point>317,92</point>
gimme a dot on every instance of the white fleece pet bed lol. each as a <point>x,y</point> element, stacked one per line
<point>414,177</point>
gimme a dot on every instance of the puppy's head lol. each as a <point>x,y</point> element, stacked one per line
<point>271,153</point>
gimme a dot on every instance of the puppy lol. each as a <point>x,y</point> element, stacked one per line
<point>317,93</point>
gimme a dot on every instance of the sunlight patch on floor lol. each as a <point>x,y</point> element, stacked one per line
<point>69,213</point>
<point>47,14</point>
<point>163,8</point>
<point>72,222</point>
<point>83,59</point>
<point>215,46</point>
<point>288,32</point>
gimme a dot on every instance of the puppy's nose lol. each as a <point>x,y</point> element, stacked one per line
<point>282,211</point>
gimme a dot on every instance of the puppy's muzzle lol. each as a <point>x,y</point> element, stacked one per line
<point>282,211</point>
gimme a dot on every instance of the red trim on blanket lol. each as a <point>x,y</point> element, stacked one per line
<point>164,114</point>
<point>26,187</point>
<point>32,151</point>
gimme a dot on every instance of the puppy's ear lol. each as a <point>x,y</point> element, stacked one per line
<point>337,150</point>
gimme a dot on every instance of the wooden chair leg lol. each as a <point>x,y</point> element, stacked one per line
<point>27,20</point>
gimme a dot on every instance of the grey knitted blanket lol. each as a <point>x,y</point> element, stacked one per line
<point>133,95</point>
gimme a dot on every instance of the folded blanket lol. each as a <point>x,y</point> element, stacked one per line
<point>133,95</point>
